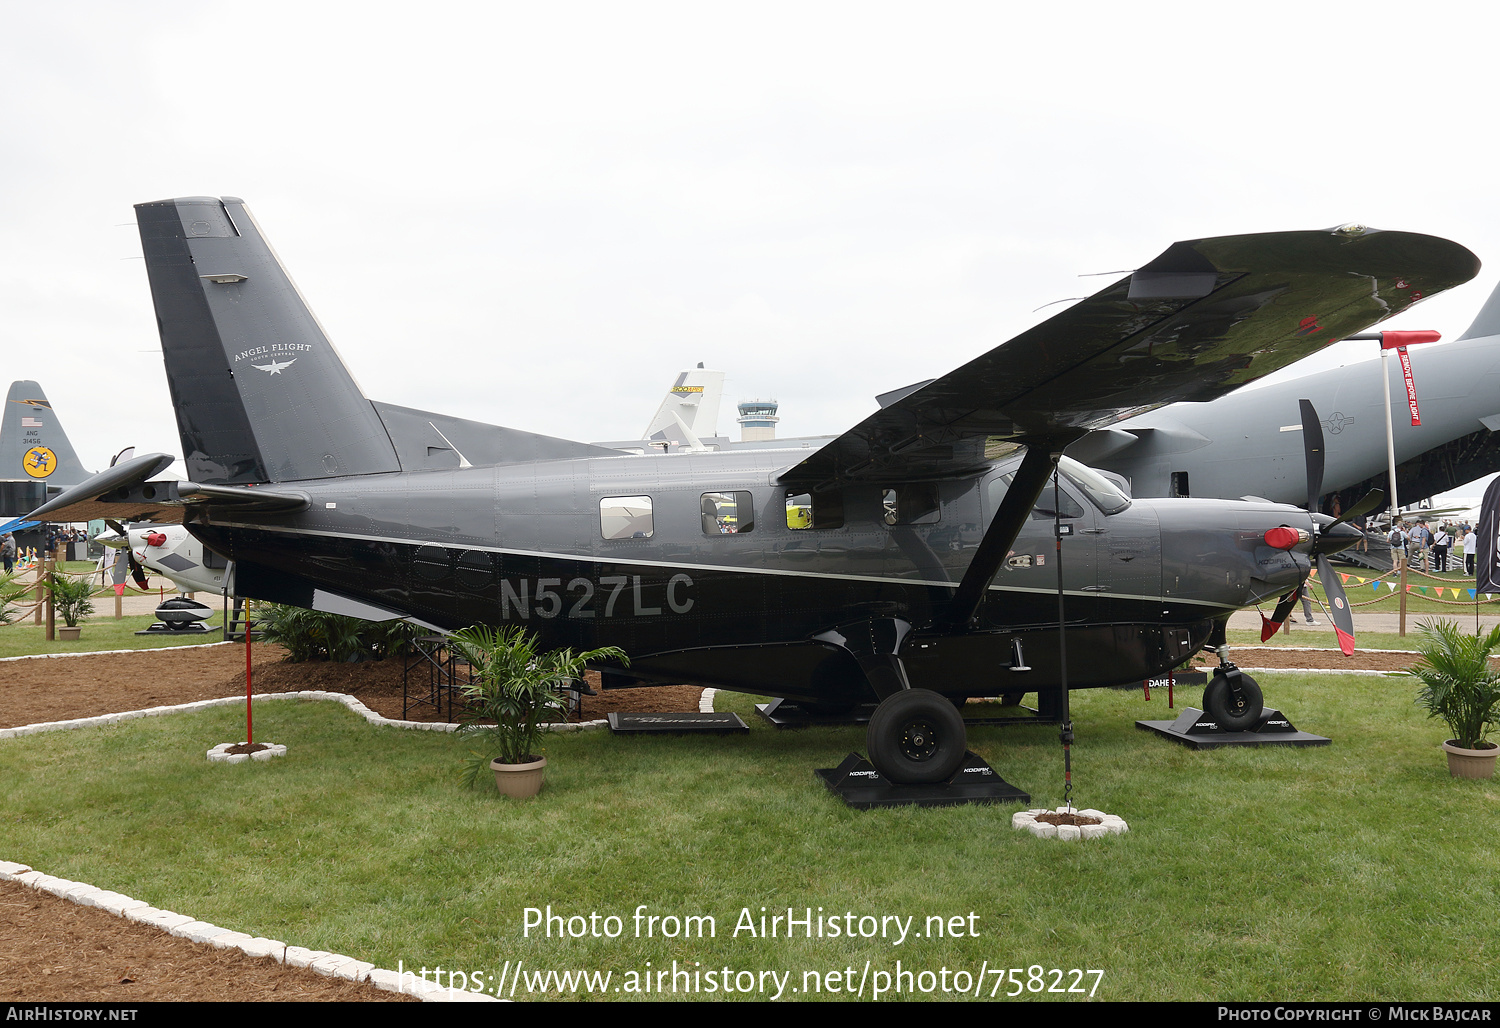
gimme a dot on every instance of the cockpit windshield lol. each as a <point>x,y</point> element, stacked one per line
<point>1104,493</point>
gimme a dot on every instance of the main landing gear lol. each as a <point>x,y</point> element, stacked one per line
<point>917,736</point>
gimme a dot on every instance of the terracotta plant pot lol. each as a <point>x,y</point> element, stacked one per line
<point>67,634</point>
<point>1464,763</point>
<point>521,781</point>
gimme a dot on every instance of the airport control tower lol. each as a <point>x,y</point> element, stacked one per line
<point>758,420</point>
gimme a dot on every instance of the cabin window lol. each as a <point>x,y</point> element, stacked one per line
<point>911,504</point>
<point>815,510</point>
<point>727,513</point>
<point>625,517</point>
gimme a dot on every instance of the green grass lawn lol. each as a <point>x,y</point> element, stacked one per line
<point>100,632</point>
<point>1354,871</point>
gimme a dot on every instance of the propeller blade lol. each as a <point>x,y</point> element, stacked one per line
<point>1278,616</point>
<point>137,572</point>
<point>1366,503</point>
<point>115,526</point>
<point>1328,542</point>
<point>1312,442</point>
<point>1338,605</point>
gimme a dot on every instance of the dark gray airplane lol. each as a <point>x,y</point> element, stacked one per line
<point>911,560</point>
<point>1250,442</point>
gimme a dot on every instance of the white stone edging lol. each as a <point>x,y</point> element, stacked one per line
<point>1109,824</point>
<point>114,653</point>
<point>330,965</point>
<point>220,754</point>
<point>226,701</point>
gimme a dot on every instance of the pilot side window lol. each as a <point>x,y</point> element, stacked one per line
<point>911,504</point>
<point>625,517</point>
<point>820,510</point>
<point>727,513</point>
<point>1068,506</point>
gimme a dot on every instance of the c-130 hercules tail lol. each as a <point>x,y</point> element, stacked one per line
<point>909,560</point>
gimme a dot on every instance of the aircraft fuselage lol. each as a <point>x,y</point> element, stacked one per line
<point>707,581</point>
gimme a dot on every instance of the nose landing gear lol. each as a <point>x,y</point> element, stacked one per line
<point>1232,698</point>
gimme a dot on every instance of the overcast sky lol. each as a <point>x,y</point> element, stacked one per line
<point>536,214</point>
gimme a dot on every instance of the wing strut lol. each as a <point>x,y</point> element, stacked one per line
<point>1024,490</point>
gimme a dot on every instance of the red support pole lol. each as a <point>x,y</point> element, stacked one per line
<point>249,729</point>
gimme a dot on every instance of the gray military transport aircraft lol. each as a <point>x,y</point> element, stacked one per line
<point>1250,441</point>
<point>911,559</point>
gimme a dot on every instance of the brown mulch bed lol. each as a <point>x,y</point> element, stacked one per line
<point>52,949</point>
<point>1333,660</point>
<point>63,688</point>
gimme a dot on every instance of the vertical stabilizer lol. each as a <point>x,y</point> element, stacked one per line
<point>33,445</point>
<point>692,403</point>
<point>261,394</point>
<point>1487,321</point>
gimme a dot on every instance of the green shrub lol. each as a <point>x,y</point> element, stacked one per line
<point>314,635</point>
<point>516,685</point>
<point>72,598</point>
<point>1458,685</point>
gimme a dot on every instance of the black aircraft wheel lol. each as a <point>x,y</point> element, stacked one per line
<point>917,736</point>
<point>1229,713</point>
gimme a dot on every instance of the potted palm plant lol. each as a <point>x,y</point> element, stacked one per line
<point>1460,688</point>
<point>72,600</point>
<point>518,687</point>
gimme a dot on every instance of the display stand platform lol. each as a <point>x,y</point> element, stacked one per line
<point>1194,728</point>
<point>695,722</point>
<point>859,785</point>
<point>784,713</point>
<point>161,628</point>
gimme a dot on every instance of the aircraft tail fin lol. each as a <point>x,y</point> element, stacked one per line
<point>261,394</point>
<point>690,410</point>
<point>33,445</point>
<point>1487,321</point>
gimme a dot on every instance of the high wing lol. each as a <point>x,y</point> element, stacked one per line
<point>1205,317</point>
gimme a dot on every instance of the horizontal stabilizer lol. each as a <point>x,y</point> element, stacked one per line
<point>126,493</point>
<point>419,445</point>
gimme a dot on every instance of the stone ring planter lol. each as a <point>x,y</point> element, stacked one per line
<point>220,754</point>
<point>1031,821</point>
